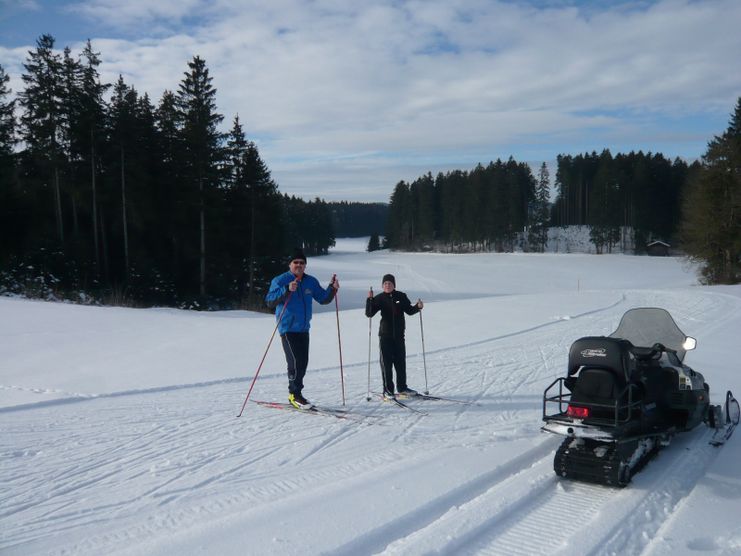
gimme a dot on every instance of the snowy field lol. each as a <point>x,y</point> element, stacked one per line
<point>119,435</point>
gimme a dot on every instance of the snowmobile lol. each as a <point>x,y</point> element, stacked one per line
<point>625,396</point>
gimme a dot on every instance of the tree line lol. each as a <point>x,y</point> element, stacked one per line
<point>105,194</point>
<point>354,219</point>
<point>641,192</point>
<point>503,206</point>
<point>479,210</point>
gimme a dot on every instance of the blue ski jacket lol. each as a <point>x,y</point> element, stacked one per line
<point>297,317</point>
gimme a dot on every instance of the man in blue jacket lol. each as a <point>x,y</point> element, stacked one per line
<point>291,295</point>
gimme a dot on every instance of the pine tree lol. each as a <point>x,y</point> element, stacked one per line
<point>373,243</point>
<point>172,202</point>
<point>711,232</point>
<point>480,208</point>
<point>7,118</point>
<point>87,128</point>
<point>42,119</point>
<point>10,198</point>
<point>123,133</point>
<point>71,155</point>
<point>264,210</point>
<point>540,213</point>
<point>399,229</point>
<point>422,192</point>
<point>202,142</point>
<point>450,192</point>
<point>604,220</point>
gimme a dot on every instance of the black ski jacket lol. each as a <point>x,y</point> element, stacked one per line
<point>392,306</point>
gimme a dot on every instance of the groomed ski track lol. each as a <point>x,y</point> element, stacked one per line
<point>172,471</point>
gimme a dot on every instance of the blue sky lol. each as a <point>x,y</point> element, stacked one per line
<point>345,98</point>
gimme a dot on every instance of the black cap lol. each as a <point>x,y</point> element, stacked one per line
<point>297,255</point>
<point>388,278</point>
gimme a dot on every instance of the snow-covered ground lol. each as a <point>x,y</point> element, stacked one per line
<point>119,435</point>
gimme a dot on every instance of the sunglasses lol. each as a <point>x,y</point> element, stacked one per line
<point>298,262</point>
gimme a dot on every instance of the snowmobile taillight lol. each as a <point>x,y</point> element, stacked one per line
<point>577,412</point>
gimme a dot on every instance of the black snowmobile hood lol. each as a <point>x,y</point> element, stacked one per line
<point>645,326</point>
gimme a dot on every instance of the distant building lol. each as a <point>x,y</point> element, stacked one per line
<point>658,248</point>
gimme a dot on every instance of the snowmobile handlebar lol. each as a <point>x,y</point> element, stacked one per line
<point>647,353</point>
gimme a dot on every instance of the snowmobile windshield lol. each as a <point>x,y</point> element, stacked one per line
<point>645,326</point>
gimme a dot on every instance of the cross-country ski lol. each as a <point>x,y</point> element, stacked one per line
<point>314,410</point>
<point>395,400</point>
<point>421,396</point>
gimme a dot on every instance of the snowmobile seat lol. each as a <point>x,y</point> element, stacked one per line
<point>600,352</point>
<point>600,370</point>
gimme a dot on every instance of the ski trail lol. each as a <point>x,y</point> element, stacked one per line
<point>79,398</point>
<point>377,539</point>
<point>676,480</point>
<point>459,529</point>
<point>532,512</point>
<point>93,477</point>
<point>537,523</point>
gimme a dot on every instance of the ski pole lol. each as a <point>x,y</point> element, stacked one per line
<point>424,358</point>
<point>370,321</point>
<point>339,340</point>
<point>283,310</point>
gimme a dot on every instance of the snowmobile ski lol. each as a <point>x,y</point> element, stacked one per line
<point>723,432</point>
<point>314,410</point>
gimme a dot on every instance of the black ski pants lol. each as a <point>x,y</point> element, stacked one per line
<point>393,356</point>
<point>296,348</point>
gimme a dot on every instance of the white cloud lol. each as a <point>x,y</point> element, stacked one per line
<point>329,81</point>
<point>115,13</point>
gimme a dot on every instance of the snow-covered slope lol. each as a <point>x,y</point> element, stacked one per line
<point>118,427</point>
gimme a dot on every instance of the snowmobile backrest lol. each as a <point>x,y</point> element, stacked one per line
<point>600,352</point>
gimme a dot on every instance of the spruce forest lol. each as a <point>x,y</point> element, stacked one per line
<point>106,197</point>
<point>695,208</point>
<point>490,207</point>
<point>109,197</point>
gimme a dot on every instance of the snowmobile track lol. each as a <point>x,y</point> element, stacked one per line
<point>542,514</point>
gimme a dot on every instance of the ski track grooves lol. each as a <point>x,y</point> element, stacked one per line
<point>690,458</point>
<point>178,449</point>
<point>530,511</point>
<point>77,398</point>
<point>377,539</point>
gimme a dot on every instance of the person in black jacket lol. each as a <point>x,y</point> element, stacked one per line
<point>393,304</point>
